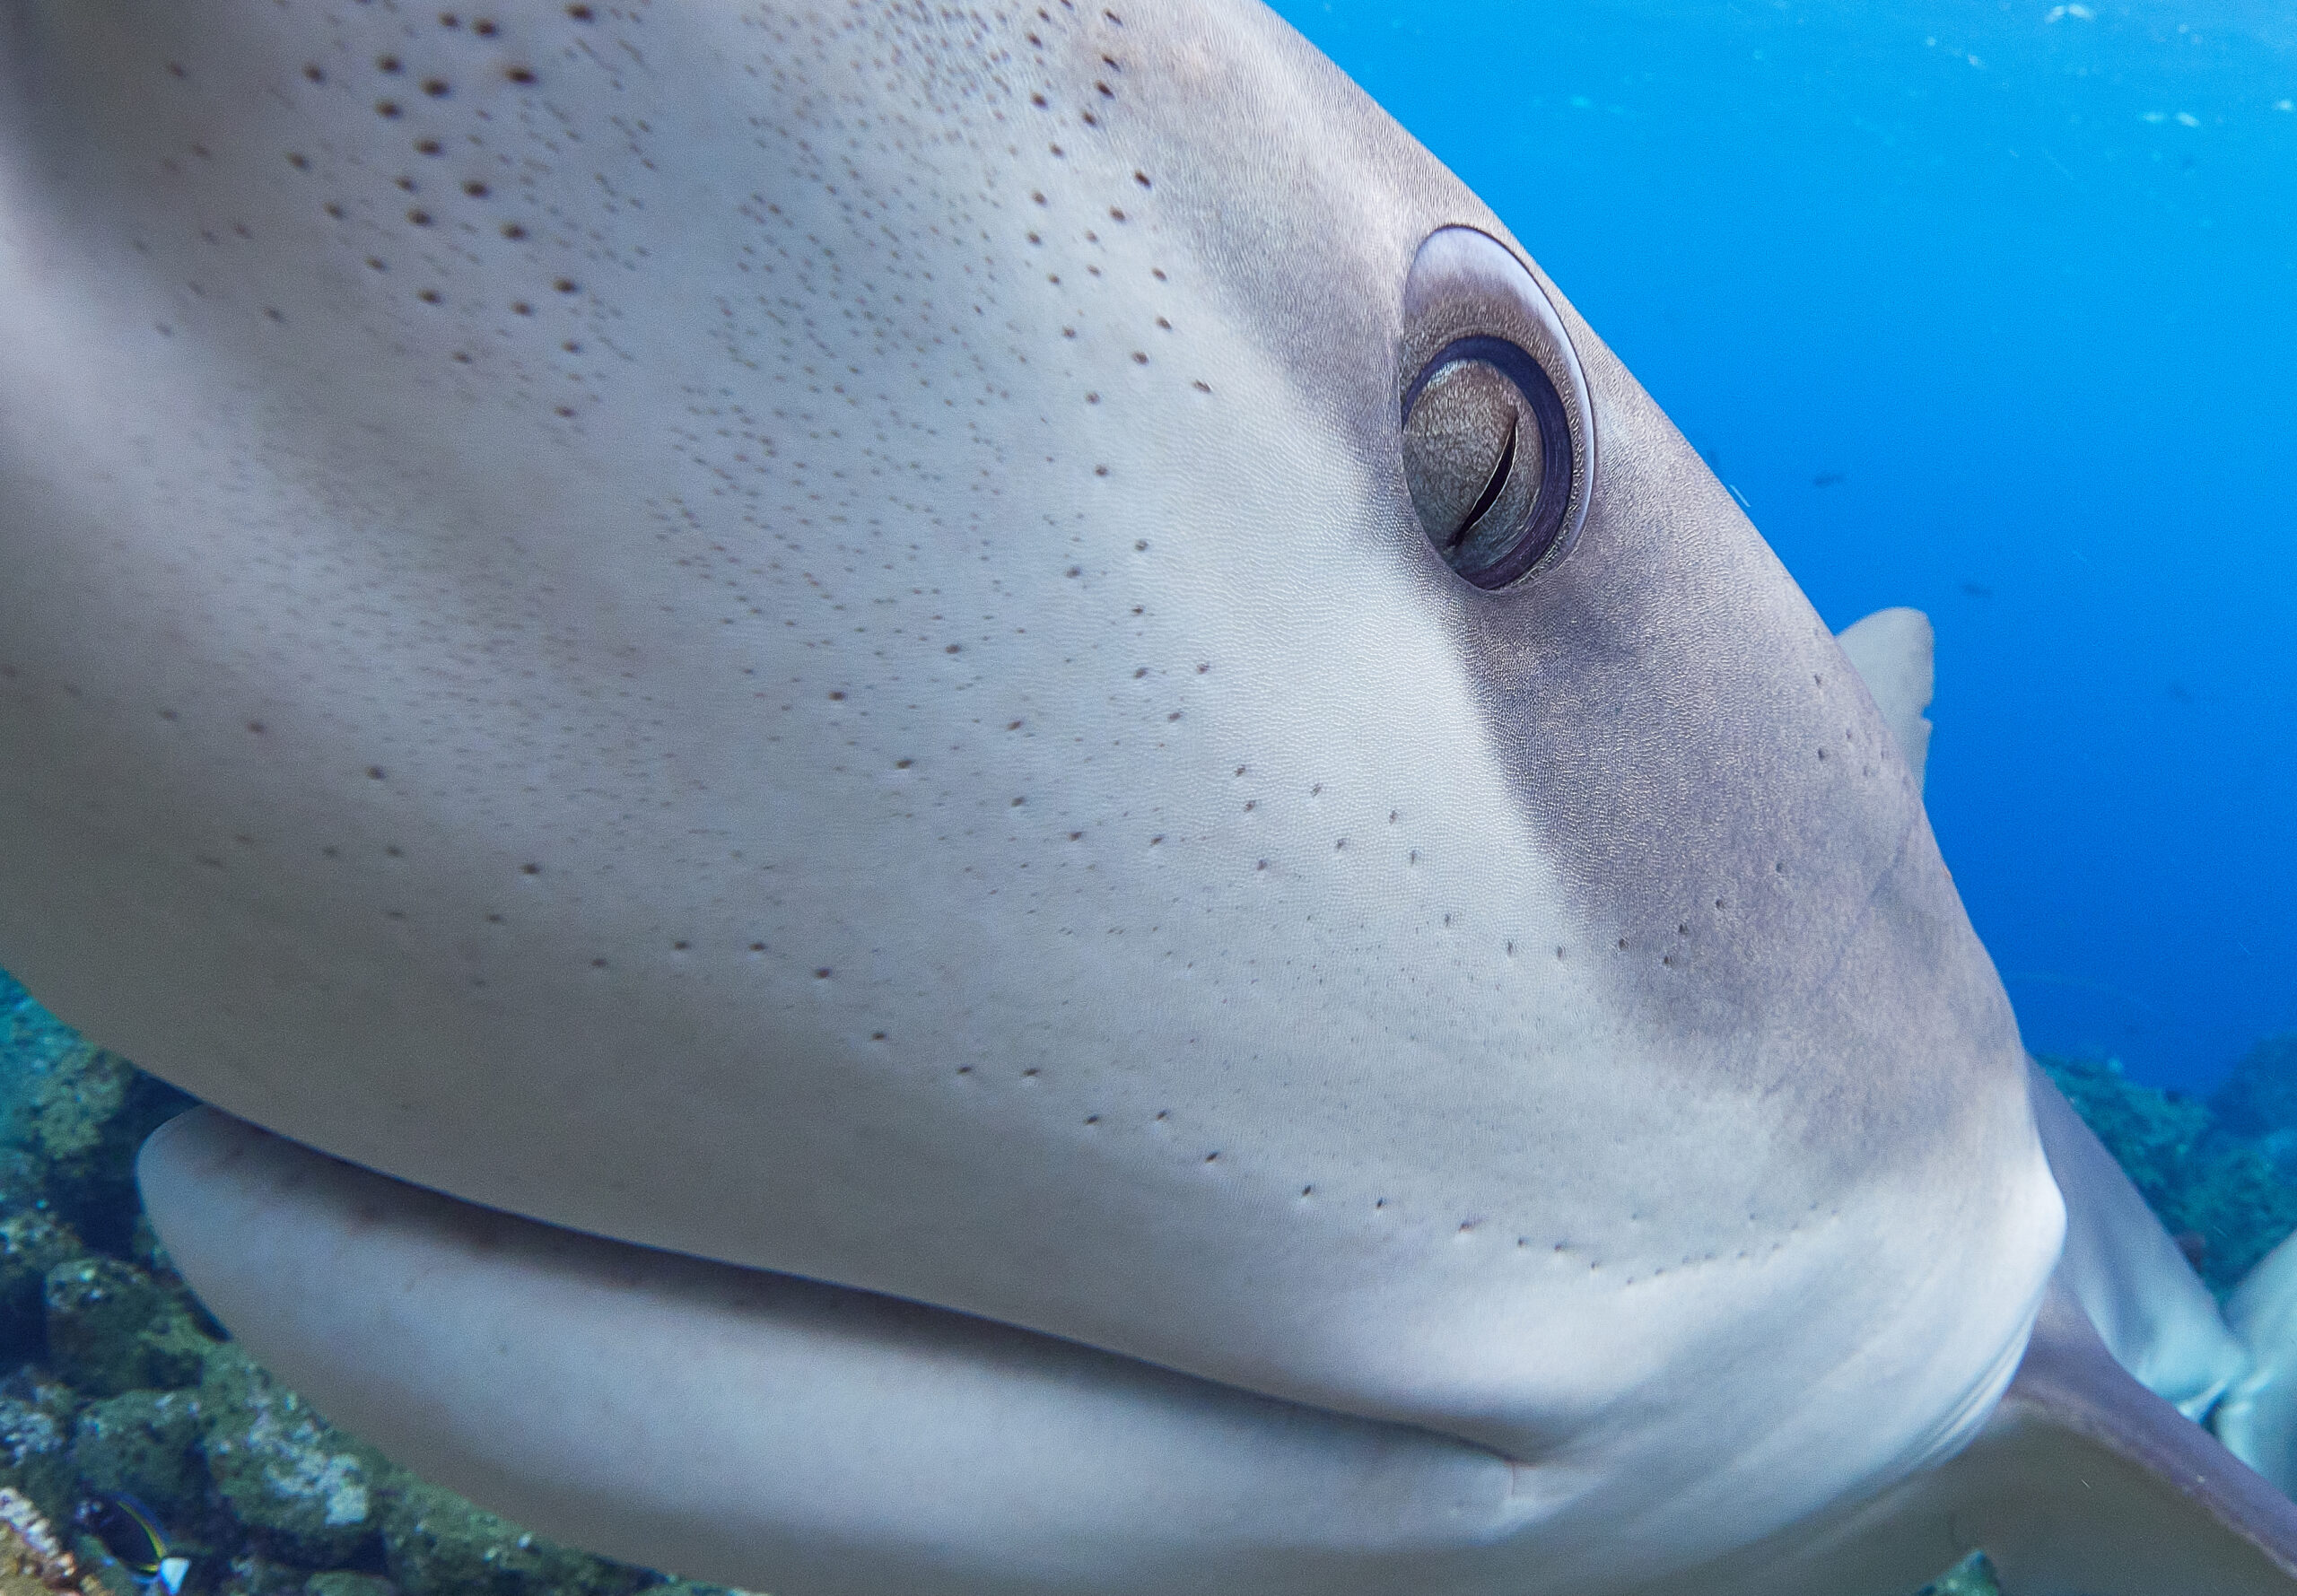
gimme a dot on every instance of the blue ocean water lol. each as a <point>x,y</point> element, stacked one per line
<point>1989,309</point>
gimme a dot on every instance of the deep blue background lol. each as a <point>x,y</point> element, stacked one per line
<point>2027,286</point>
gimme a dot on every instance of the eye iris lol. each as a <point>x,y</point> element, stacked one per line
<point>1487,458</point>
<point>1469,447</point>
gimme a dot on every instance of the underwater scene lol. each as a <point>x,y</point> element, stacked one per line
<point>1987,308</point>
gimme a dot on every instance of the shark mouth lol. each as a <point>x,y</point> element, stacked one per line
<point>737,1425</point>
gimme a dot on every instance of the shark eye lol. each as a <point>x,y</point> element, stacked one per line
<point>1497,449</point>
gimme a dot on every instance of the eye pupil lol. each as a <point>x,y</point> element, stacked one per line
<point>1502,470</point>
<point>1487,458</point>
<point>1459,445</point>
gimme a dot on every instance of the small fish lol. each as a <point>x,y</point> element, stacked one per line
<point>130,1533</point>
<point>1827,479</point>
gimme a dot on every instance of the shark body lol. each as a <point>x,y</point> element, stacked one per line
<point>988,726</point>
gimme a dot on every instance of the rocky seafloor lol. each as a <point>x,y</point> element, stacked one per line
<point>115,1384</point>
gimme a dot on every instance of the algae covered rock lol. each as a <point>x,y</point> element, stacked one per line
<point>435,1541</point>
<point>36,1428</point>
<point>73,1118</point>
<point>145,1444</point>
<point>113,1328</point>
<point>31,1244</point>
<point>2260,1098</point>
<point>304,1489</point>
<point>250,1574</point>
<point>2153,1134</point>
<point>2223,1197</point>
<point>341,1581</point>
<point>2241,1204</point>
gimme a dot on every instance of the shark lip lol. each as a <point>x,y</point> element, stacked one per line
<point>669,1410</point>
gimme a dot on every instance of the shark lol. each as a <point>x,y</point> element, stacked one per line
<point>950,799</point>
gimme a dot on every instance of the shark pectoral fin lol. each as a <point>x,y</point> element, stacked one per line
<point>777,1433</point>
<point>2086,1484</point>
<point>1892,652</point>
<point>2148,1307</point>
<point>2257,1419</point>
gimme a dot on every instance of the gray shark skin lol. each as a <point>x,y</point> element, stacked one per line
<point>797,639</point>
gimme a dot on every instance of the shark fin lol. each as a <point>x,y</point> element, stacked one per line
<point>2148,1307</point>
<point>2257,1419</point>
<point>1892,651</point>
<point>2083,1483</point>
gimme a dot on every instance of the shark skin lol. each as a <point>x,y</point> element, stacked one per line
<point>767,682</point>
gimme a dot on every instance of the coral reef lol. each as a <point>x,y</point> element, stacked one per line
<point>305,1491</point>
<point>434,1541</point>
<point>32,1561</point>
<point>2219,1173</point>
<point>2260,1098</point>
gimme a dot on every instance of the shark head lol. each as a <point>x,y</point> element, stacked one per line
<point>1016,659</point>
